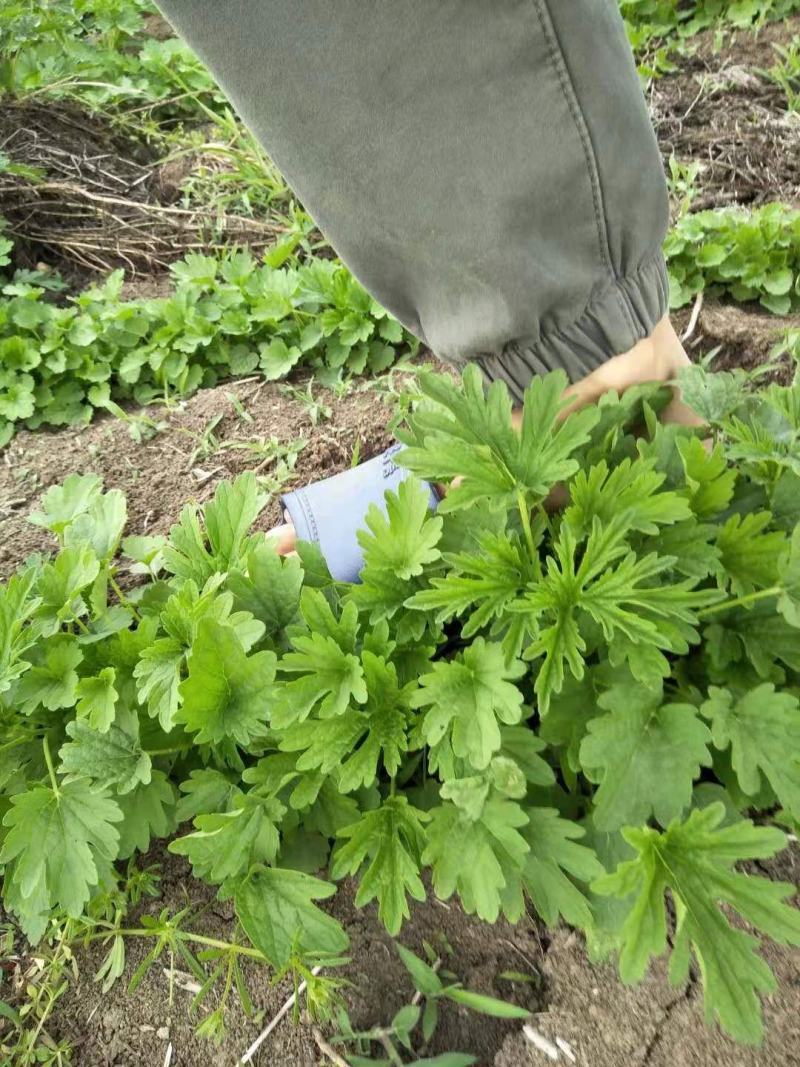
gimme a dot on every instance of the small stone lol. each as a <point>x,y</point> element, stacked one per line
<point>162,1033</point>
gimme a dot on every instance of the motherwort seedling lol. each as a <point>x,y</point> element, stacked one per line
<point>531,709</point>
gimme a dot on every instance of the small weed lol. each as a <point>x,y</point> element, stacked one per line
<point>140,426</point>
<point>786,73</point>
<point>239,408</point>
<point>412,1028</point>
<point>682,183</point>
<point>268,451</point>
<point>316,410</point>
<point>207,443</point>
<point>31,988</point>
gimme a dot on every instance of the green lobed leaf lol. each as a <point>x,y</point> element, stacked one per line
<point>468,697</point>
<point>52,682</point>
<point>644,754</point>
<point>762,728</point>
<point>57,841</point>
<point>552,866</point>
<point>403,540</point>
<point>97,699</point>
<point>225,845</point>
<point>482,860</point>
<point>277,911</point>
<point>467,433</point>
<point>148,814</point>
<point>113,758</point>
<point>693,860</point>
<point>227,693</point>
<point>388,842</point>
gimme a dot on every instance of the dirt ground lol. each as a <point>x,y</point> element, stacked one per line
<point>720,111</point>
<point>126,1031</point>
<point>602,1022</point>
<point>161,473</point>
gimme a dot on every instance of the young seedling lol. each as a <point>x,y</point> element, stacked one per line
<point>414,1025</point>
<point>786,72</point>
<point>316,409</point>
<point>268,451</point>
<point>523,709</point>
<point>31,988</point>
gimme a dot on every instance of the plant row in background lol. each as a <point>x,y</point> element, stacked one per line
<point>98,51</point>
<point>98,54</point>
<point>579,709</point>
<point>658,29</point>
<point>226,316</point>
<point>232,316</point>
<point>732,252</point>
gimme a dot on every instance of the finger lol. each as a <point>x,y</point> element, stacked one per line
<point>283,538</point>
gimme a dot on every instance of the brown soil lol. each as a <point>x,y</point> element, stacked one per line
<point>157,27</point>
<point>128,1030</point>
<point>745,336</point>
<point>720,111</point>
<point>603,1022</point>
<point>160,474</point>
<point>607,1024</point>
<point>81,160</point>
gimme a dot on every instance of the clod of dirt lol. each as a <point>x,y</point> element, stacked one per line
<point>157,27</point>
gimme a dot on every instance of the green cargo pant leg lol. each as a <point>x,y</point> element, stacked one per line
<point>487,170</point>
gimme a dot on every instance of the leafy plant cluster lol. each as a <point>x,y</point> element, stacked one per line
<point>231,316</point>
<point>747,255</point>
<point>657,29</point>
<point>95,52</point>
<point>786,72</point>
<point>226,316</point>
<point>577,709</point>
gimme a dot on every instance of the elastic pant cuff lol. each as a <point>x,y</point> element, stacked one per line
<point>614,320</point>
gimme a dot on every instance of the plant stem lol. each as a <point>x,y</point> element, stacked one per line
<point>49,761</point>
<point>184,935</point>
<point>13,744</point>
<point>750,598</point>
<point>390,1049</point>
<point>524,514</point>
<point>168,751</point>
<point>123,599</point>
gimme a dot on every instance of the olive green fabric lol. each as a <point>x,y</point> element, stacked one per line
<point>486,168</point>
